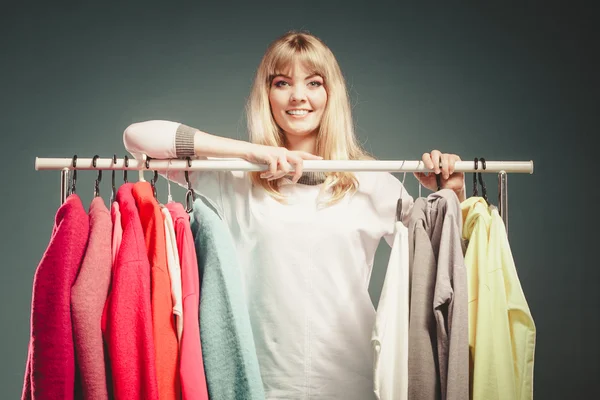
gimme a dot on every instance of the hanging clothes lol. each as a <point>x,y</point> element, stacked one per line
<point>390,334</point>
<point>127,317</point>
<point>191,365</point>
<point>305,267</point>
<point>117,233</point>
<point>163,326</point>
<point>174,271</point>
<point>501,328</point>
<point>230,362</point>
<point>88,297</point>
<point>438,331</point>
<point>50,367</point>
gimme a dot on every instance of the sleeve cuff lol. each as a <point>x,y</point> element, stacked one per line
<point>184,141</point>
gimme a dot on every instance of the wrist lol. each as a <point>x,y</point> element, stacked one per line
<point>461,193</point>
<point>246,150</point>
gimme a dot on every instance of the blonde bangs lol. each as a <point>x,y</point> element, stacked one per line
<point>286,56</point>
<point>335,139</point>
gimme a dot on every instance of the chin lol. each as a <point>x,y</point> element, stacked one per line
<point>302,133</point>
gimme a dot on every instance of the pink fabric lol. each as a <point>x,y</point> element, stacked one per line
<point>193,380</point>
<point>127,318</point>
<point>117,233</point>
<point>88,296</point>
<point>50,370</point>
<point>163,323</point>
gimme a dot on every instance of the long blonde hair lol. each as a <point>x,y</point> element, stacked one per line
<point>335,139</point>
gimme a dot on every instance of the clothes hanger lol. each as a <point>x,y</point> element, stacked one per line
<point>72,189</point>
<point>169,197</point>
<point>189,194</point>
<point>483,188</point>
<point>154,179</point>
<point>126,163</point>
<point>113,193</point>
<point>475,188</point>
<point>399,203</point>
<point>99,177</point>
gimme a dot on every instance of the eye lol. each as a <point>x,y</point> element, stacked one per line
<point>280,83</point>
<point>315,83</point>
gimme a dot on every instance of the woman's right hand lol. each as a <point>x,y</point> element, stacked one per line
<point>280,160</point>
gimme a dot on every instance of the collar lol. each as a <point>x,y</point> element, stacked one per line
<point>311,178</point>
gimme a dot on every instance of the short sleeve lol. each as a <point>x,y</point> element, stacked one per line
<point>388,190</point>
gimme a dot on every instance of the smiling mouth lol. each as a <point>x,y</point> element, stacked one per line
<point>299,113</point>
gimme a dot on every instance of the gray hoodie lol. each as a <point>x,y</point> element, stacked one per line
<point>438,359</point>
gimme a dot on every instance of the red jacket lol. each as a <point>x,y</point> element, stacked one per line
<point>163,323</point>
<point>50,370</point>
<point>193,380</point>
<point>127,318</point>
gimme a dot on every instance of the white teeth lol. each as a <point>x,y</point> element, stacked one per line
<point>297,112</point>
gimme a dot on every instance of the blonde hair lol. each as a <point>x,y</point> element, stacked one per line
<point>335,139</point>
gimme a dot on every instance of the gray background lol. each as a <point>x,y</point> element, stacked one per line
<point>502,82</point>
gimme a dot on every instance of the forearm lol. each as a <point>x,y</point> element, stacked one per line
<point>207,145</point>
<point>166,139</point>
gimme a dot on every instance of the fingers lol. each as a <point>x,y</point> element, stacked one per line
<point>436,157</point>
<point>427,160</point>
<point>452,163</point>
<point>439,163</point>
<point>445,162</point>
<point>286,161</point>
<point>298,164</point>
<point>284,168</point>
<point>432,160</point>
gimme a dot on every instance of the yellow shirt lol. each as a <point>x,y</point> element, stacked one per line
<point>501,328</point>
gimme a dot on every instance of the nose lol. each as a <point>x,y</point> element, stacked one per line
<point>297,94</point>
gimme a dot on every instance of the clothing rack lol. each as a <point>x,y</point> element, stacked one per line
<point>502,168</point>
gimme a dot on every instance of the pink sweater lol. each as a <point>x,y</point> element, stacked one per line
<point>127,318</point>
<point>193,380</point>
<point>163,324</point>
<point>50,370</point>
<point>88,296</point>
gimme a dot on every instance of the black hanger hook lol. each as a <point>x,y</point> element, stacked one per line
<point>475,188</point>
<point>438,178</point>
<point>189,194</point>
<point>98,179</point>
<point>126,163</point>
<point>481,182</point>
<point>74,178</point>
<point>153,183</point>
<point>113,194</point>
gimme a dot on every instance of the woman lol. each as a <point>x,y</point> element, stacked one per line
<point>306,241</point>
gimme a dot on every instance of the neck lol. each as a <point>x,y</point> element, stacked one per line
<point>306,143</point>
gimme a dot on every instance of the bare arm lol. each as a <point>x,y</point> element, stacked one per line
<point>166,139</point>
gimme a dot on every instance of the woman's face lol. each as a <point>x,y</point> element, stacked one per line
<point>297,101</point>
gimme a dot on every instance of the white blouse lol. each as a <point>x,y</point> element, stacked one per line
<point>305,269</point>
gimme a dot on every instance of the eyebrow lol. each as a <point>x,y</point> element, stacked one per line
<point>289,77</point>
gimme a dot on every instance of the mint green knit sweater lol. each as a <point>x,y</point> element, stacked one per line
<point>228,350</point>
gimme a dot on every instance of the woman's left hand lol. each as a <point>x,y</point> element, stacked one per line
<point>449,179</point>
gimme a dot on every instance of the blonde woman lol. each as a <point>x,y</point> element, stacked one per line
<point>306,241</point>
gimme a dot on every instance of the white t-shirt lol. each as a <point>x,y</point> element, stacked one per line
<point>305,270</point>
<point>390,334</point>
